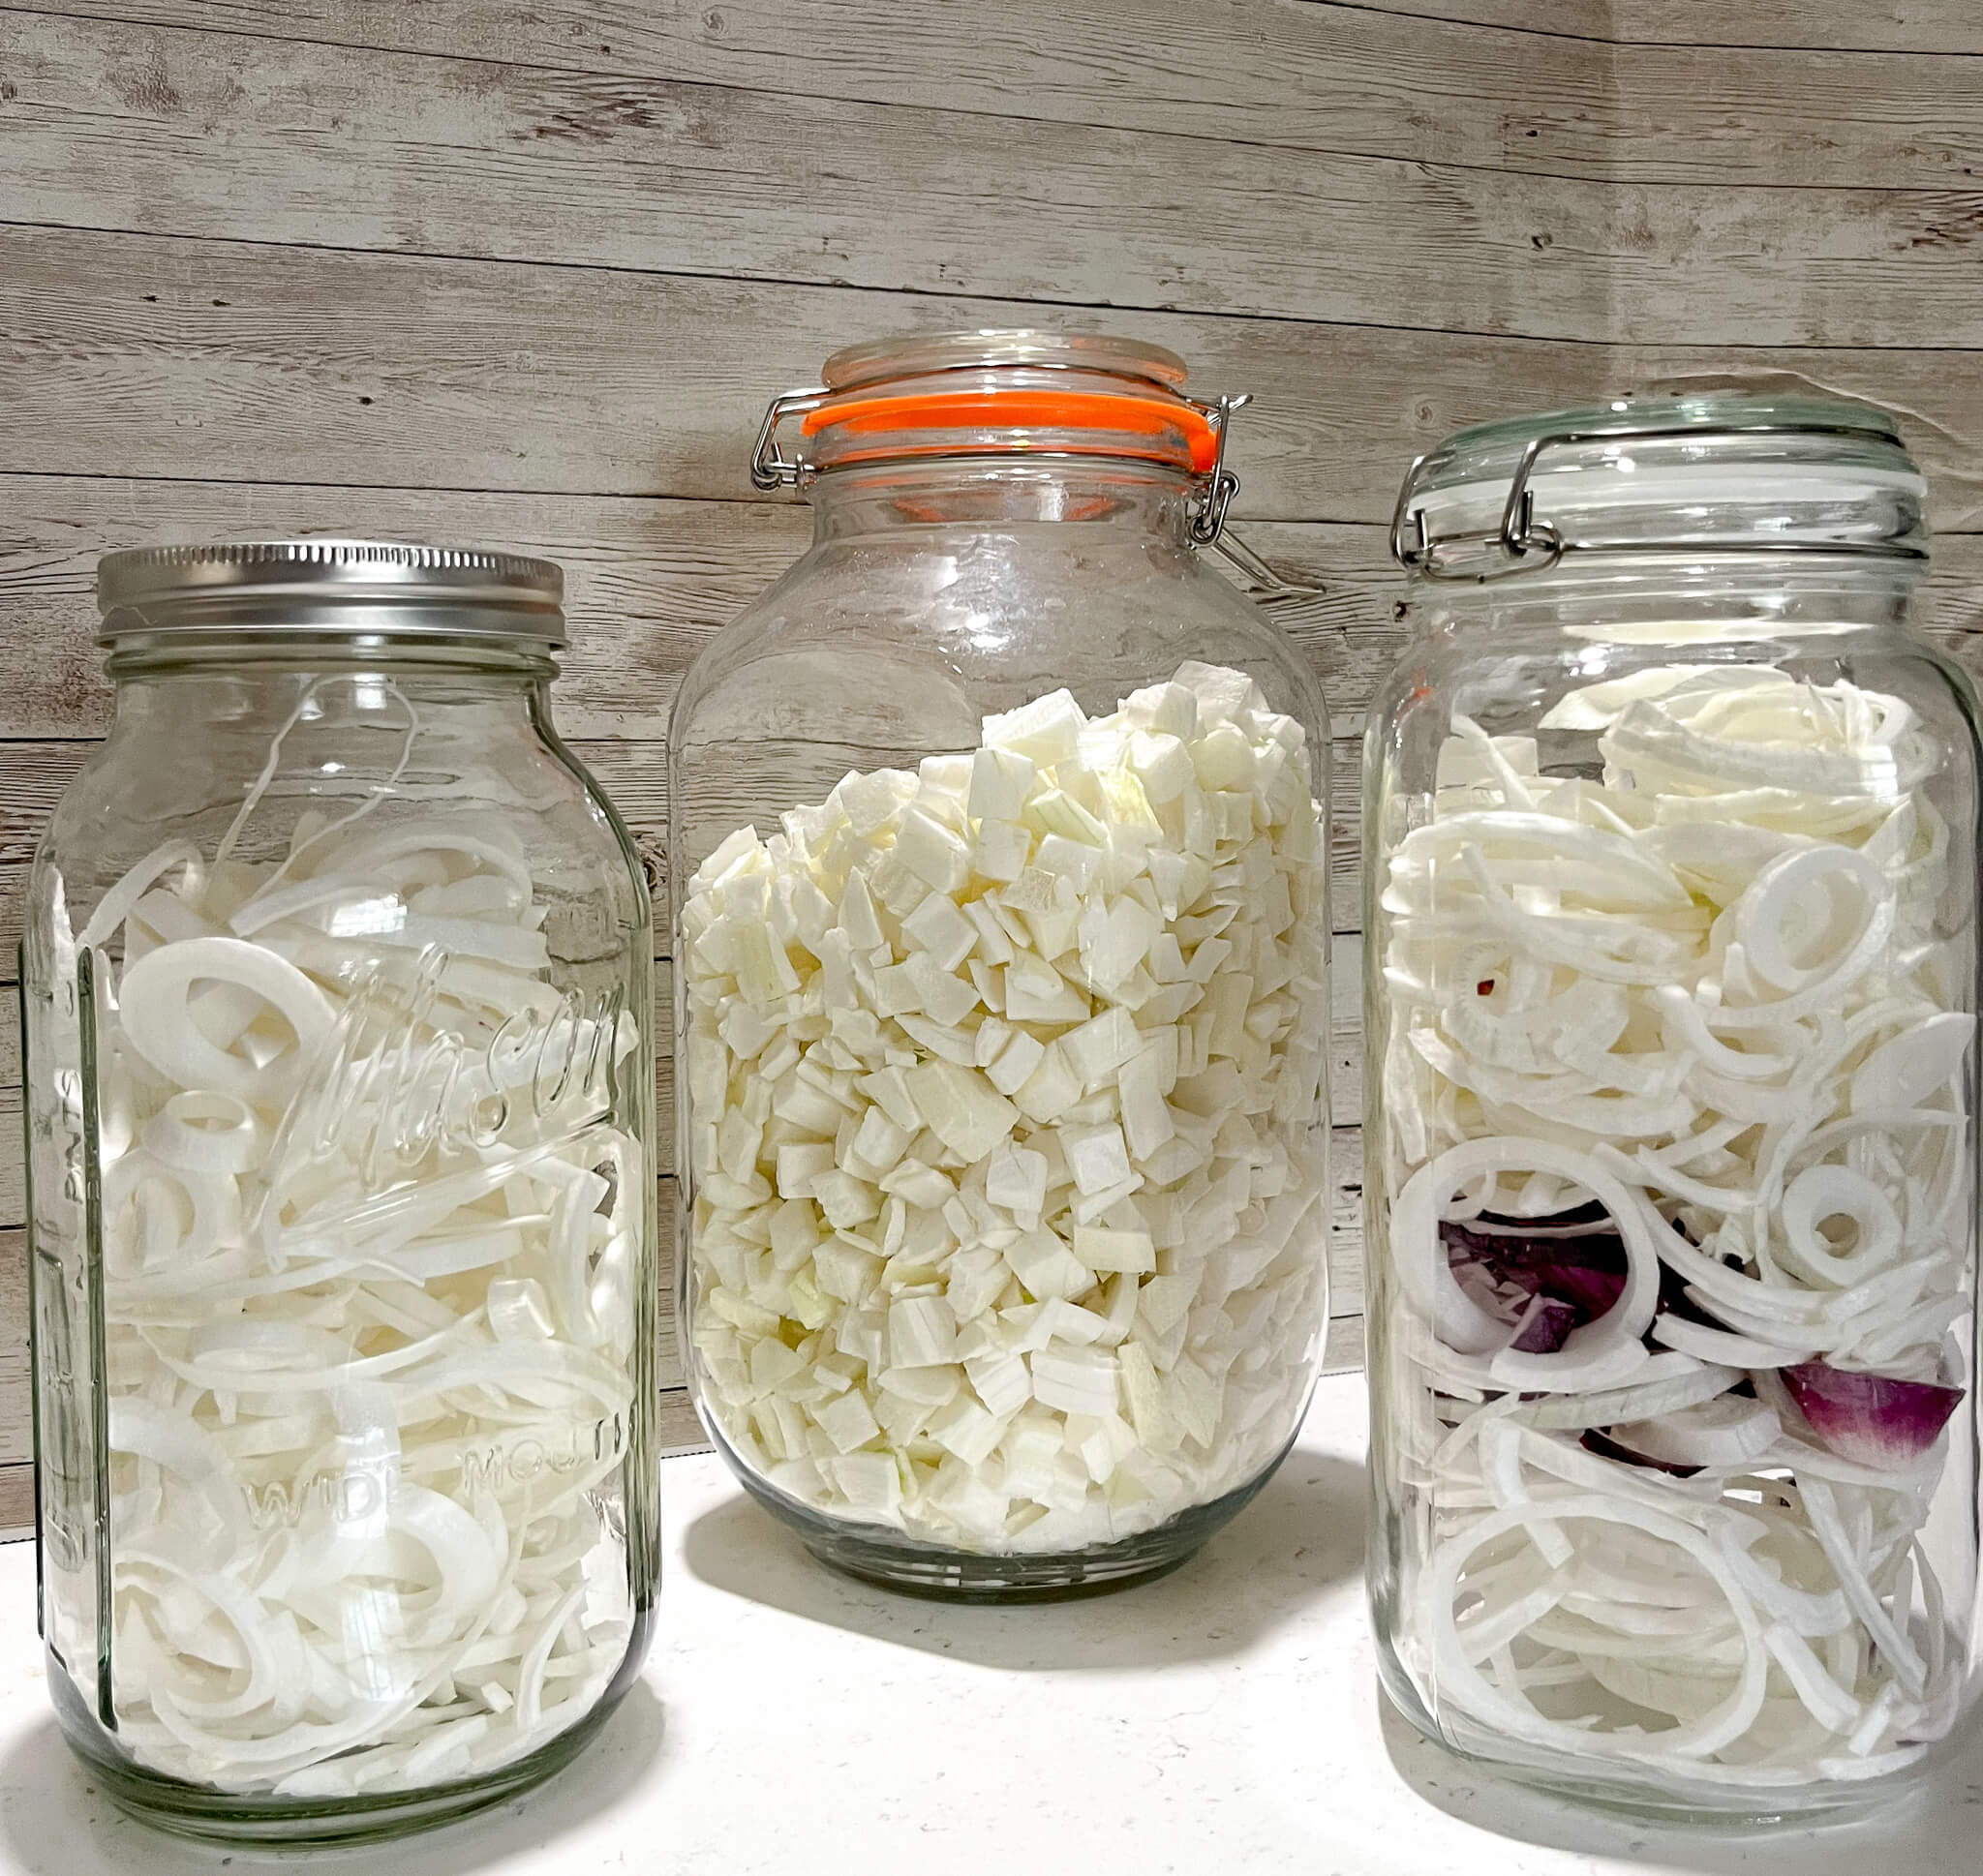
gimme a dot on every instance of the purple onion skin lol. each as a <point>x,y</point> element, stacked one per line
<point>1545,1326</point>
<point>1605,1447</point>
<point>1584,1272</point>
<point>1870,1419</point>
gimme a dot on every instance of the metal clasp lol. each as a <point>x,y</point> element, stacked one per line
<point>1517,538</point>
<point>770,467</point>
<point>1208,527</point>
<point>1526,545</point>
<point>1221,485</point>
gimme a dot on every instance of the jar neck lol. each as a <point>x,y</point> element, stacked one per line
<point>293,685</point>
<point>1128,498</point>
<point>1698,599</point>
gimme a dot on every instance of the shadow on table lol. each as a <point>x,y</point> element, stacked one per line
<point>55,1819</point>
<point>1932,1832</point>
<point>1300,1539</point>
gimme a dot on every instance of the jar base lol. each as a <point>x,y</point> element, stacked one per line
<point>890,1560</point>
<point>1620,1798</point>
<point>185,1810</point>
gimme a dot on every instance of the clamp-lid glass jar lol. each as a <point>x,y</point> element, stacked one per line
<point>1671,851</point>
<point>1000,859</point>
<point>337,982</point>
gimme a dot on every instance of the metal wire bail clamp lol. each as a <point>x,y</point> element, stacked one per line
<point>1526,545</point>
<point>769,466</point>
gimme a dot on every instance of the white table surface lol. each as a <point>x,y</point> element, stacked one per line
<point>1225,1719</point>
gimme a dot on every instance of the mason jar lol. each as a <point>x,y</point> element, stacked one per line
<point>1670,1093</point>
<point>999,860</point>
<point>337,981</point>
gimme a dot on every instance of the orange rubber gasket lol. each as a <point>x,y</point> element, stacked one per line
<point>1061,411</point>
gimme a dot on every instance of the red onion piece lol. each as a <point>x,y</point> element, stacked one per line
<point>1582,1267</point>
<point>1605,1447</point>
<point>1545,1326</point>
<point>1870,1419</point>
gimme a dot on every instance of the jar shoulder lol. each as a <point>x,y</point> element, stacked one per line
<point>158,791</point>
<point>950,629</point>
<point>1523,672</point>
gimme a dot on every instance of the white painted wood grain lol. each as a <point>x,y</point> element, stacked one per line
<point>223,360</point>
<point>166,130</point>
<point>1342,79</point>
<point>1877,25</point>
<point>113,126</point>
<point>140,356</point>
<point>1348,78</point>
<point>16,1440</point>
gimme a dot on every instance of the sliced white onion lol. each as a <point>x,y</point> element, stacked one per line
<point>1728,1349</point>
<point>153,1009</point>
<point>1674,1381</point>
<point>1726,1430</point>
<point>206,1132</point>
<point>115,906</point>
<point>1772,1072</point>
<point>354,1446</point>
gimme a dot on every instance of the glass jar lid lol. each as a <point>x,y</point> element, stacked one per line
<point>1004,392</point>
<point>1706,474</point>
<point>346,588</point>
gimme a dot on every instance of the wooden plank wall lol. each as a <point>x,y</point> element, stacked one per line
<point>526,274</point>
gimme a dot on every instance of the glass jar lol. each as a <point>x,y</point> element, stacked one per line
<point>337,985</point>
<point>999,860</point>
<point>1671,865</point>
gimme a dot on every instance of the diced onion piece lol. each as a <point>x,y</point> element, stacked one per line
<point>1027,1258</point>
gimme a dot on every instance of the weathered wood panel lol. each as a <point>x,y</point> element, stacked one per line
<point>1345,79</point>
<point>17,1437</point>
<point>138,356</point>
<point>114,126</point>
<point>133,355</point>
<point>1797,118</point>
<point>123,126</point>
<point>1586,19</point>
<point>1326,77</point>
<point>648,584</point>
<point>17,1503</point>
<point>1796,266</point>
<point>1882,26</point>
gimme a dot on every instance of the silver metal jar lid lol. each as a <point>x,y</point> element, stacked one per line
<point>342,588</point>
